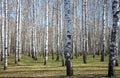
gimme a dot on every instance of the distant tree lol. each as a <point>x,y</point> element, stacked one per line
<point>6,35</point>
<point>19,33</point>
<point>53,31</point>
<point>85,38</point>
<point>33,32</point>
<point>112,55</point>
<point>3,44</point>
<point>61,34</point>
<point>46,34</point>
<point>17,53</point>
<point>103,30</point>
<point>58,30</point>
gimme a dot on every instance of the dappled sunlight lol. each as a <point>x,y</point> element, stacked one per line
<point>28,68</point>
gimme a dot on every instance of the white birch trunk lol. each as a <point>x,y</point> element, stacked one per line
<point>9,40</point>
<point>104,27</point>
<point>61,34</point>
<point>36,50</point>
<point>3,44</point>
<point>33,32</point>
<point>112,55</point>
<point>85,32</point>
<point>58,32</point>
<point>46,36</point>
<point>74,31</point>
<point>9,34</point>
<point>19,33</point>
<point>6,36</point>
<point>68,47</point>
<point>53,33</point>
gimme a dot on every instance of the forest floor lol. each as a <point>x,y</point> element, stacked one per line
<point>29,68</point>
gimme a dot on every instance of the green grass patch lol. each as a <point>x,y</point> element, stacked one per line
<point>27,67</point>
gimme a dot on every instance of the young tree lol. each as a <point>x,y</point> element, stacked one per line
<point>85,32</point>
<point>103,30</point>
<point>6,35</point>
<point>68,47</point>
<point>3,44</point>
<point>58,31</point>
<point>112,55</point>
<point>17,32</point>
<point>53,31</point>
<point>46,35</point>
<point>74,29</point>
<point>61,33</point>
<point>33,32</point>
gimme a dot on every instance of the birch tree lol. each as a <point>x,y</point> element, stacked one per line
<point>112,51</point>
<point>3,44</point>
<point>17,32</point>
<point>74,30</point>
<point>9,31</point>
<point>85,32</point>
<point>61,33</point>
<point>6,36</point>
<point>68,47</point>
<point>103,30</point>
<point>46,35</point>
<point>53,32</point>
<point>33,32</point>
<point>58,31</point>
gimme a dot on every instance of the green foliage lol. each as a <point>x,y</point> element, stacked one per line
<point>27,67</point>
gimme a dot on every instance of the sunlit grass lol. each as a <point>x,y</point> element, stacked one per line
<point>27,67</point>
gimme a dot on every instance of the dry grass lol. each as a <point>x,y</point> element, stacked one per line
<point>29,68</point>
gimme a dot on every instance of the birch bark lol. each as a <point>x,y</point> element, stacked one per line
<point>112,55</point>
<point>68,47</point>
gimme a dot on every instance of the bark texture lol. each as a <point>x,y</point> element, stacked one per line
<point>68,47</point>
<point>112,55</point>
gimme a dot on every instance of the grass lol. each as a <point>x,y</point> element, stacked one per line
<point>29,68</point>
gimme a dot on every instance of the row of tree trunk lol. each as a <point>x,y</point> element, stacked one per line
<point>78,31</point>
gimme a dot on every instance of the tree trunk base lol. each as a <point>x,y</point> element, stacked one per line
<point>69,69</point>
<point>45,62</point>
<point>84,59</point>
<point>93,56</point>
<point>1,59</point>
<point>52,56</point>
<point>57,59</point>
<point>116,64</point>
<point>5,68</point>
<point>19,60</point>
<point>63,64</point>
<point>111,71</point>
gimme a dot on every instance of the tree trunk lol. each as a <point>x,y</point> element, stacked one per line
<point>68,48</point>
<point>85,32</point>
<point>53,33</point>
<point>103,30</point>
<point>17,33</point>
<point>61,34</point>
<point>6,35</point>
<point>3,44</point>
<point>112,55</point>
<point>33,32</point>
<point>58,33</point>
<point>46,36</point>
